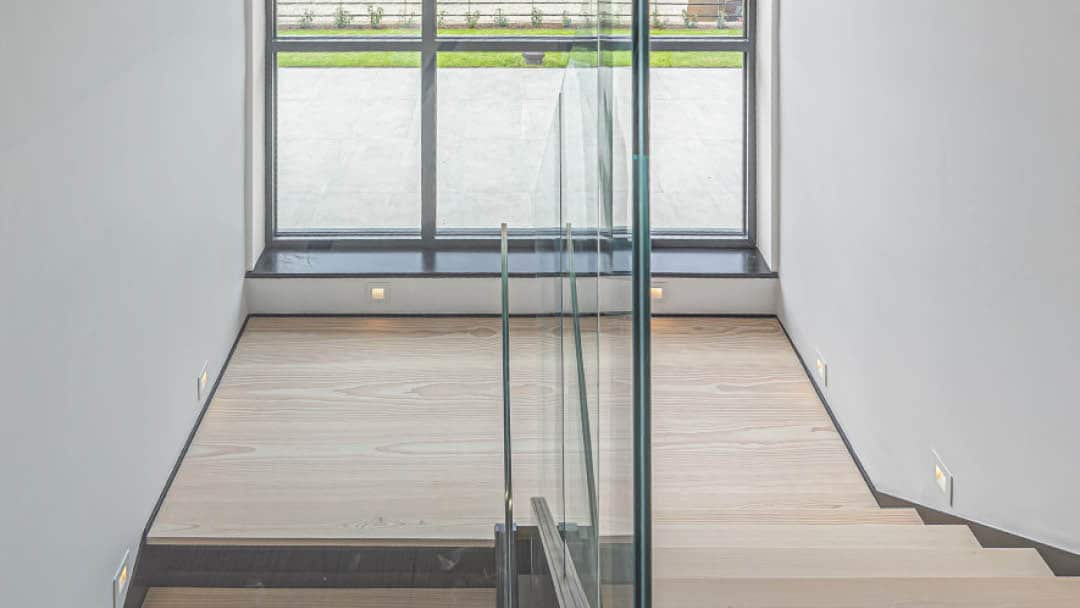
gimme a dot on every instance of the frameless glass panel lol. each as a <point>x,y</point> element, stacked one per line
<point>348,142</point>
<point>615,457</point>
<point>700,18</point>
<point>348,18</point>
<point>698,141</point>
<point>581,412</point>
<point>581,216</point>
<point>495,114</point>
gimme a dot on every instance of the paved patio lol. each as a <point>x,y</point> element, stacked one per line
<point>349,147</point>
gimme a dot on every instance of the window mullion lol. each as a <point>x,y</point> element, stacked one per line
<point>429,83</point>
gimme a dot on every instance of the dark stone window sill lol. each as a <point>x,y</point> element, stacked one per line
<point>463,263</point>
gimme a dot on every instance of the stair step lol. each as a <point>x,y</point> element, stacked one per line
<point>196,597</point>
<point>859,562</point>
<point>821,536</point>
<point>864,592</point>
<point>756,515</point>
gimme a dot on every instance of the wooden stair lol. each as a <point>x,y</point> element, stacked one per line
<point>757,504</point>
<point>860,593</point>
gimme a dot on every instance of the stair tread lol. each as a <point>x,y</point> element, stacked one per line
<point>753,515</point>
<point>827,535</point>
<point>857,562</point>
<point>863,592</point>
<point>196,597</point>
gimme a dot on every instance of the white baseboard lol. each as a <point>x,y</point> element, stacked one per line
<point>420,296</point>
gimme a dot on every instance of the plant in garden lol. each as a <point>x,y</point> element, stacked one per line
<point>408,18</point>
<point>658,22</point>
<point>500,18</point>
<point>608,20</point>
<point>307,19</point>
<point>375,16</point>
<point>472,18</point>
<point>566,21</point>
<point>689,21</point>
<point>342,18</point>
<point>442,18</point>
<point>586,15</point>
<point>537,16</point>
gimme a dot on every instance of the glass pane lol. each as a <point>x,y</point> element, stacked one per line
<point>495,112</point>
<point>516,18</point>
<point>697,18</point>
<point>583,444</point>
<point>348,19</point>
<point>348,142</point>
<point>698,157</point>
<point>582,350</point>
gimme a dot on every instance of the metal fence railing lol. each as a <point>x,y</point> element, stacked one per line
<point>376,14</point>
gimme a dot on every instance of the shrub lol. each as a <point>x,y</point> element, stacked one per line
<point>307,19</point>
<point>342,18</point>
<point>442,18</point>
<point>408,18</point>
<point>608,20</point>
<point>658,22</point>
<point>500,18</point>
<point>586,15</point>
<point>472,18</point>
<point>566,21</point>
<point>690,21</point>
<point>537,17</point>
<point>375,16</point>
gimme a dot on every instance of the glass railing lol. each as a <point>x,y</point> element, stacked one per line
<point>567,355</point>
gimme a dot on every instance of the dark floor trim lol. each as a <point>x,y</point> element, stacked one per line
<point>137,590</point>
<point>1061,562</point>
<point>832,416</point>
<point>318,567</point>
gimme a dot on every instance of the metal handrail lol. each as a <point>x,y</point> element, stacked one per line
<point>508,476</point>
<point>583,391</point>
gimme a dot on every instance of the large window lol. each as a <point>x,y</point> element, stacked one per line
<point>407,121</point>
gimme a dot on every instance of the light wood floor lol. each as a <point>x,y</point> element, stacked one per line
<point>370,431</point>
<point>389,431</point>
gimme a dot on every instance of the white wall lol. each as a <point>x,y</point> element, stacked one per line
<point>931,180</point>
<point>412,296</point>
<point>121,234</point>
<point>767,99</point>
<point>255,159</point>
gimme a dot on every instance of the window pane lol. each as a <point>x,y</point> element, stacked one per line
<point>495,116</point>
<point>348,18</point>
<point>348,141</point>
<point>697,18</point>
<point>697,141</point>
<point>515,18</point>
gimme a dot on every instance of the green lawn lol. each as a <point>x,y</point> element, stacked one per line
<point>660,59</point>
<point>407,59</point>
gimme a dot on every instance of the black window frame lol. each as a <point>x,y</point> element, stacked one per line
<point>429,44</point>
